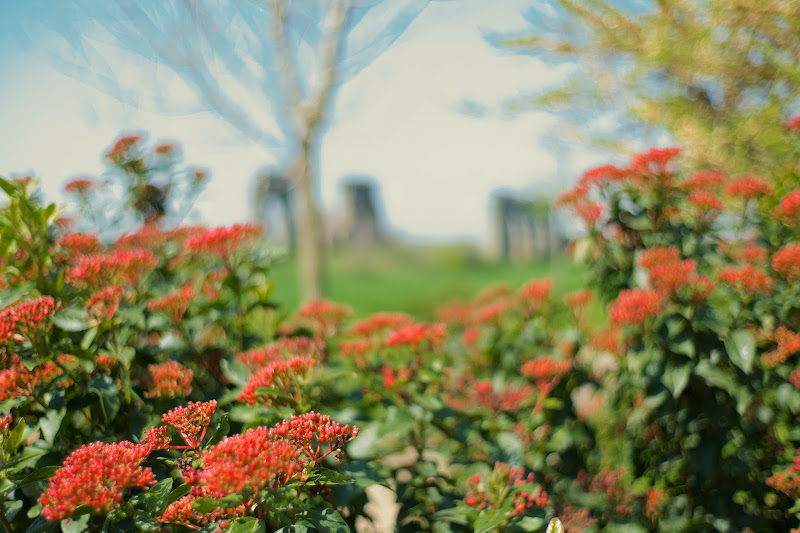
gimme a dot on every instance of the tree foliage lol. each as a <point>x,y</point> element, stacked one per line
<point>720,76</point>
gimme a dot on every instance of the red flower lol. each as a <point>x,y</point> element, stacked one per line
<point>168,380</point>
<point>670,277</point>
<point>104,303</point>
<point>80,243</point>
<point>704,201</point>
<point>577,299</point>
<point>792,123</point>
<point>635,306</point>
<point>282,349</point>
<point>788,344</point>
<point>165,148</point>
<point>747,279</point>
<point>254,460</point>
<point>545,371</point>
<point>288,377</point>
<point>116,267</point>
<point>26,318</point>
<point>656,161</point>
<point>222,241</point>
<point>173,304</point>
<point>748,187</point>
<point>95,475</point>
<point>191,421</point>
<point>659,255</point>
<point>708,180</point>
<point>536,290</point>
<point>416,335</point>
<point>323,316</point>
<point>786,262</point>
<point>309,432</point>
<point>79,186</point>
<point>380,323</point>
<point>122,147</point>
<point>789,208</point>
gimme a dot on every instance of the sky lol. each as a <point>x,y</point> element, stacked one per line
<point>401,120</point>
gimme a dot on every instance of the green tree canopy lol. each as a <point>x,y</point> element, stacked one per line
<point>720,76</point>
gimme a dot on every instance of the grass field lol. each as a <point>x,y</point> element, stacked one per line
<point>417,279</point>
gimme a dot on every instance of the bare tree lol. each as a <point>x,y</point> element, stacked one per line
<point>270,68</point>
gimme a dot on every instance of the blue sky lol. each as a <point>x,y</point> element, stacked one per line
<point>400,120</point>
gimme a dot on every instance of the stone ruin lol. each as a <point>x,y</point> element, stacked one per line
<point>361,225</point>
<point>272,199</point>
<point>524,229</point>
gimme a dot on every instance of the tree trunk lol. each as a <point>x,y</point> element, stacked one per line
<point>309,237</point>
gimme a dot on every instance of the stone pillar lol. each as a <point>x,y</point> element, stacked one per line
<point>360,213</point>
<point>273,208</point>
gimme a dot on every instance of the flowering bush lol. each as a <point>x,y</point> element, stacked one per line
<point>148,384</point>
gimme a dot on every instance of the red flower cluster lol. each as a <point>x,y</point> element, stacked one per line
<point>309,432</point>
<point>615,486</point>
<point>787,481</point>
<point>281,349</point>
<point>168,380</point>
<point>26,318</point>
<point>191,421</point>
<point>545,371</point>
<point>708,180</point>
<point>416,335</point>
<point>254,460</point>
<point>173,304</point>
<point>748,187</point>
<point>658,255</point>
<point>577,299</point>
<point>786,262</point>
<point>221,241</point>
<point>789,208</point>
<point>747,279</point>
<point>80,243</point>
<point>670,277</point>
<point>481,393</point>
<point>379,323</point>
<point>535,292</point>
<point>792,123</point>
<point>788,345</point>
<point>95,475</point>
<point>105,302</point>
<point>122,147</point>
<point>323,316</point>
<point>79,186</point>
<point>358,349</point>
<point>492,493</point>
<point>16,381</point>
<point>288,377</point>
<point>705,202</point>
<point>655,161</point>
<point>5,423</point>
<point>635,306</point>
<point>116,267</point>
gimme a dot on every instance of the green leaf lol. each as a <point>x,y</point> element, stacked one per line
<point>145,522</point>
<point>46,472</point>
<point>273,392</point>
<point>488,521</point>
<point>74,525</point>
<point>107,391</point>
<point>70,319</point>
<point>179,493</point>
<point>555,526</point>
<point>8,187</point>
<point>155,499</point>
<point>15,438</point>
<point>741,348</point>
<point>326,476</point>
<point>220,432</point>
<point>676,378</point>
<point>88,338</point>
<point>50,424</point>
<point>247,525</point>
<point>328,520</point>
<point>716,377</point>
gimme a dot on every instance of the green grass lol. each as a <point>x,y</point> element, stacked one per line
<point>418,279</point>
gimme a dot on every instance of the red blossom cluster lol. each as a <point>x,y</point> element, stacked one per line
<point>747,279</point>
<point>635,306</point>
<point>707,180</point>
<point>788,344</point>
<point>534,293</point>
<point>481,393</point>
<point>748,187</point>
<point>415,336</point>
<point>492,493</point>
<point>655,162</point>
<point>792,123</point>
<point>17,381</point>
<point>221,241</point>
<point>116,267</point>
<point>5,423</point>
<point>670,277</point>
<point>786,262</point>
<point>95,475</point>
<point>705,202</point>
<point>579,298</point>
<point>26,318</point>
<point>357,349</point>
<point>121,149</point>
<point>281,349</point>
<point>168,380</point>
<point>79,186</point>
<point>653,501</point>
<point>253,461</point>
<point>173,304</point>
<point>608,339</point>
<point>191,421</point>
<point>104,303</point>
<point>310,431</point>
<point>612,483</point>
<point>80,244</point>
<point>379,323</point>
<point>787,481</point>
<point>545,372</point>
<point>658,255</point>
<point>324,317</point>
<point>789,208</point>
<point>287,377</point>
